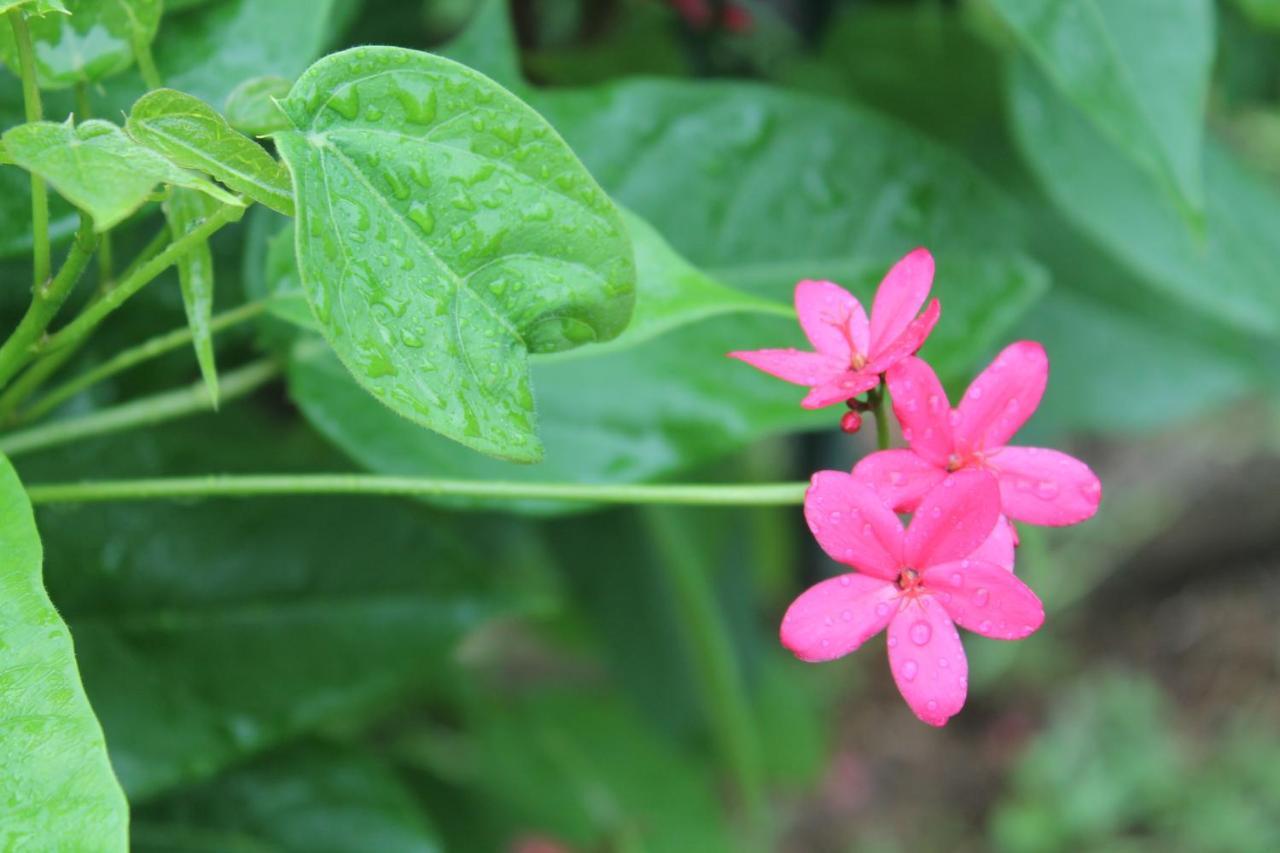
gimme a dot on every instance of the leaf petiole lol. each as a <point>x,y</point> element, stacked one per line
<point>34,111</point>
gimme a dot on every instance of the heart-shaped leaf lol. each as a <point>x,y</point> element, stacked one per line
<point>194,135</point>
<point>98,39</point>
<point>444,232</point>
<point>57,786</point>
<point>96,167</point>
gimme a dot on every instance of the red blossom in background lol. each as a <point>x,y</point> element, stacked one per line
<point>852,351</point>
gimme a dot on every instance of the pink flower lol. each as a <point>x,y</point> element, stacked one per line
<point>1037,485</point>
<point>852,352</point>
<point>919,584</point>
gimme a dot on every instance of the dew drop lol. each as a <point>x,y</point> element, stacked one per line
<point>882,609</point>
<point>921,633</point>
<point>1046,490</point>
<point>981,598</point>
<point>909,670</point>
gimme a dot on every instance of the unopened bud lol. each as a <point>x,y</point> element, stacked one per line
<point>851,422</point>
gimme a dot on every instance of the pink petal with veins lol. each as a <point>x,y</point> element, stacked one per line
<point>909,341</point>
<point>832,319</point>
<point>927,660</point>
<point>986,599</point>
<point>922,408</point>
<point>1042,486</point>
<point>953,520</point>
<point>853,524</point>
<point>832,618</point>
<point>846,386</point>
<point>1003,396</point>
<point>902,477</point>
<point>899,297</point>
<point>793,365</point>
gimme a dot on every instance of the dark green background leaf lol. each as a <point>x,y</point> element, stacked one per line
<point>95,41</point>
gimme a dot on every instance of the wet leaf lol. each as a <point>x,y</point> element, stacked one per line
<point>96,167</point>
<point>445,231</point>
<point>34,7</point>
<point>194,135</point>
<point>186,209</point>
<point>1137,70</point>
<point>57,785</point>
<point>95,41</point>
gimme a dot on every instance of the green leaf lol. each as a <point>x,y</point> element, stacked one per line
<point>1138,70</point>
<point>738,176</point>
<point>312,797</point>
<point>184,210</point>
<point>194,135</point>
<point>96,40</point>
<point>618,786</point>
<point>488,45</point>
<point>445,232</point>
<point>15,188</point>
<point>212,633</point>
<point>96,167</point>
<point>251,107</point>
<point>57,785</point>
<point>1226,271</point>
<point>34,7</point>
<point>212,50</point>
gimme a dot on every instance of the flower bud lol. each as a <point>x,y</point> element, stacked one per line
<point>851,422</point>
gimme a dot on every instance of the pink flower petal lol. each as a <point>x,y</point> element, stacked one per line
<point>922,408</point>
<point>832,618</point>
<point>1041,486</point>
<point>986,599</point>
<point>909,341</point>
<point>1003,396</point>
<point>927,660</point>
<point>953,520</point>
<point>833,319</point>
<point>999,547</point>
<point>843,387</point>
<point>793,365</point>
<point>899,297</point>
<point>901,477</point>
<point>853,524</point>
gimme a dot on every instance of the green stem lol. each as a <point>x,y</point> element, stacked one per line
<point>147,64</point>
<point>34,378</point>
<point>78,328</point>
<point>49,295</point>
<point>148,410</point>
<point>134,355</point>
<point>255,485</point>
<point>724,697</point>
<point>42,257</point>
<point>876,399</point>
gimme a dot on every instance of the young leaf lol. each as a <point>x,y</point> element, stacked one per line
<point>98,168</point>
<point>445,232</point>
<point>57,786</point>
<point>186,209</point>
<point>1138,70</point>
<point>251,107</point>
<point>194,135</point>
<point>96,40</point>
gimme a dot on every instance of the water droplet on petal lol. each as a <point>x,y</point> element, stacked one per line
<point>981,598</point>
<point>909,670</point>
<point>921,633</point>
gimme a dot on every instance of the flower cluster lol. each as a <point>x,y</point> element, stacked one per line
<point>959,478</point>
